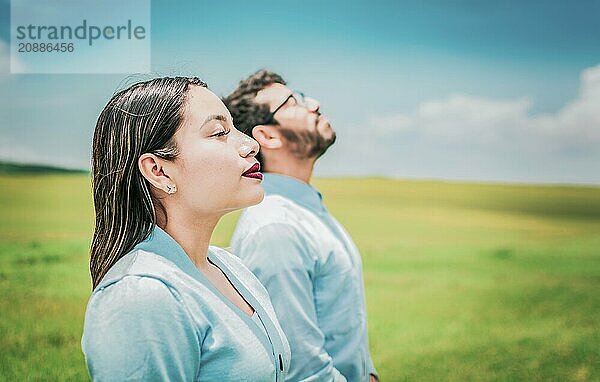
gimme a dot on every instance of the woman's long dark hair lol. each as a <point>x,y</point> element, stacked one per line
<point>140,119</point>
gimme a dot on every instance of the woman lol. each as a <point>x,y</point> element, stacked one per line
<point>167,164</point>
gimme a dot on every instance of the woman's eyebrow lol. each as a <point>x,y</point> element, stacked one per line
<point>218,117</point>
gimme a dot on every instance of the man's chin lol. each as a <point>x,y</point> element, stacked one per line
<point>330,137</point>
<point>328,133</point>
<point>325,144</point>
<point>325,129</point>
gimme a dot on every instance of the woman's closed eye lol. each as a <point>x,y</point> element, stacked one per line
<point>222,131</point>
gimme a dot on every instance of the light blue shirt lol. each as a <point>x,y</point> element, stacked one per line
<point>313,272</point>
<point>155,316</point>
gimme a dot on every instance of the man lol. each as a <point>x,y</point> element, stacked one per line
<point>302,255</point>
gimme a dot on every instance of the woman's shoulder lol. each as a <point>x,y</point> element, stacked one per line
<point>138,264</point>
<point>131,302</point>
<point>140,281</point>
<point>135,323</point>
<point>134,292</point>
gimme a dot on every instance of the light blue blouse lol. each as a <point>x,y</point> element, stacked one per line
<point>313,272</point>
<point>155,316</point>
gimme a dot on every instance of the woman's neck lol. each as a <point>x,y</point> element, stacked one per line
<point>193,235</point>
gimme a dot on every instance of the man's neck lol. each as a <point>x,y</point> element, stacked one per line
<point>300,169</point>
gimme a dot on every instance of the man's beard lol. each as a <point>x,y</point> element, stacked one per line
<point>306,144</point>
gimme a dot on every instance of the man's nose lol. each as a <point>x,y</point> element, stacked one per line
<point>312,104</point>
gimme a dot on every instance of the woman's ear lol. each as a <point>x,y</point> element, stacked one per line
<point>267,137</point>
<point>152,169</point>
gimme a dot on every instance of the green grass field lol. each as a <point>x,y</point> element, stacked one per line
<point>464,281</point>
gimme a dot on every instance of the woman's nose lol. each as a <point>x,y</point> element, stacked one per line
<point>248,147</point>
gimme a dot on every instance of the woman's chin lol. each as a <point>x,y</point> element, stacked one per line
<point>260,195</point>
<point>253,197</point>
<point>246,196</point>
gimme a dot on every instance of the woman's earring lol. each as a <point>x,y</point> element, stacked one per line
<point>171,189</point>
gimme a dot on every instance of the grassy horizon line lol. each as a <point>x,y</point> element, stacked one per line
<point>21,168</point>
<point>18,168</point>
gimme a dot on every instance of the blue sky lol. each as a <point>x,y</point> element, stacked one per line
<point>473,90</point>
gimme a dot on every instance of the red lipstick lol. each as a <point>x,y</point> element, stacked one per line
<point>253,172</point>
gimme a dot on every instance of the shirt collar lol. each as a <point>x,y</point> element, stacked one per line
<point>161,243</point>
<point>293,189</point>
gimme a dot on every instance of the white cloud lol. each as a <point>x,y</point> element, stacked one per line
<point>484,121</point>
<point>477,138</point>
<point>457,119</point>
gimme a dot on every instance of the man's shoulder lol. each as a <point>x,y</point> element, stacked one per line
<point>274,209</point>
<point>279,221</point>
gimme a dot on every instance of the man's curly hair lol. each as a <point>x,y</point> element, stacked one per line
<point>245,112</point>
